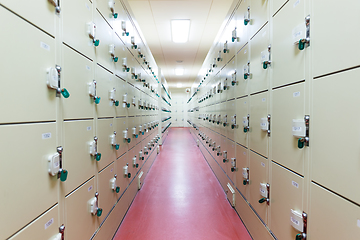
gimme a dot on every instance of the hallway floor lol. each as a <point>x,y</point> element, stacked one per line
<point>181,198</point>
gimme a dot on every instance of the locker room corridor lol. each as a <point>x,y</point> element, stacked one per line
<point>177,201</point>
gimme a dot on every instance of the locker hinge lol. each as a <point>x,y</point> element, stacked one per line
<point>58,90</point>
<point>226,49</point>
<point>303,235</point>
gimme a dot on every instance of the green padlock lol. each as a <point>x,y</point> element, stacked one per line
<point>117,190</point>
<point>301,143</point>
<point>299,236</point>
<point>142,158</point>
<point>99,212</point>
<point>128,140</point>
<point>129,175</point>
<point>301,45</point>
<point>245,76</point>
<point>128,105</point>
<point>137,165</point>
<point>232,169</point>
<point>224,160</point>
<point>232,126</point>
<point>245,181</point>
<point>117,146</point>
<point>142,133</point>
<point>245,129</point>
<point>265,65</point>
<point>98,156</point>
<point>233,83</point>
<point>127,69</point>
<point>136,136</point>
<point>115,15</point>
<point>218,154</point>
<point>96,42</point>
<point>224,124</point>
<point>65,93</point>
<point>116,103</point>
<point>63,175</point>
<point>246,21</point>
<point>97,100</point>
<point>116,59</point>
<point>127,34</point>
<point>262,200</point>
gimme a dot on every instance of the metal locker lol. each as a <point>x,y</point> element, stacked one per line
<point>42,14</point>
<point>230,80</point>
<point>80,222</point>
<point>109,189</point>
<point>45,226</point>
<point>110,10</point>
<point>288,62</point>
<point>220,118</point>
<point>121,69</point>
<point>133,124</point>
<point>241,135</point>
<point>339,218</point>
<point>242,68</point>
<point>77,26</point>
<point>77,159</point>
<point>243,171</point>
<point>30,165</point>
<point>25,90</point>
<point>286,194</point>
<point>288,107</point>
<point>121,181</point>
<point>121,91</point>
<point>133,100</point>
<point>78,79</point>
<point>105,52</point>
<point>259,15</point>
<point>259,75</point>
<point>324,26</point>
<point>241,28</point>
<point>259,123</point>
<point>231,120</point>
<point>332,108</point>
<point>107,142</point>
<point>105,88</point>
<point>259,197</point>
<point>231,166</point>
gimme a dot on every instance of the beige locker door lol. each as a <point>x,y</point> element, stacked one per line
<point>105,34</point>
<point>37,142</point>
<point>80,223</point>
<point>105,129</point>
<point>42,13</point>
<point>231,106</point>
<point>258,137</point>
<point>105,83</point>
<point>259,15</point>
<point>231,154</point>
<point>331,108</point>
<point>288,62</point>
<point>242,87</point>
<point>222,112</point>
<point>121,52</point>
<point>242,162</point>
<point>286,194</point>
<point>224,93</point>
<point>121,180</point>
<point>325,25</point>
<point>132,92</point>
<point>133,122</point>
<point>25,102</point>
<point>288,105</point>
<point>241,29</point>
<point>76,17</point>
<point>228,71</point>
<point>107,196</point>
<point>258,174</point>
<point>334,218</point>
<point>260,77</point>
<point>241,112</point>
<point>77,159</point>
<point>121,90</point>
<point>77,74</point>
<point>43,227</point>
<point>110,14</point>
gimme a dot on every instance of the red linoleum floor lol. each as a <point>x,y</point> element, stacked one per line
<point>181,198</point>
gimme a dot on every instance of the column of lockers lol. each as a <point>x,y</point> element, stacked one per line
<point>91,129</point>
<point>282,83</point>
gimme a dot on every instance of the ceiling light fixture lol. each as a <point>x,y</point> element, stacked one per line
<point>180,30</point>
<point>179,85</point>
<point>179,71</point>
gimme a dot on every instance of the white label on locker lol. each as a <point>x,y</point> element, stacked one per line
<point>262,191</point>
<point>297,129</point>
<point>87,6</point>
<point>296,3</point>
<point>263,100</point>
<point>87,67</point>
<point>111,170</point>
<point>298,33</point>
<point>44,46</point>
<point>296,94</point>
<point>358,223</point>
<point>56,164</point>
<point>88,128</point>
<point>244,153</point>
<point>245,51</point>
<point>46,135</point>
<point>110,124</point>
<point>263,164</point>
<point>295,184</point>
<point>295,221</point>
<point>48,224</point>
<point>90,188</point>
<point>246,69</point>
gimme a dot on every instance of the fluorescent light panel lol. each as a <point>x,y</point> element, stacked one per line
<point>180,30</point>
<point>179,71</point>
<point>179,85</point>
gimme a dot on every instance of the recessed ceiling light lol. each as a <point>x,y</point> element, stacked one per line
<point>179,85</point>
<point>179,61</point>
<point>180,30</point>
<point>179,71</point>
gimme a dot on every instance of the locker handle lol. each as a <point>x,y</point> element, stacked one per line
<point>266,64</point>
<point>65,93</point>
<point>246,181</point>
<point>98,156</point>
<point>137,165</point>
<point>117,146</point>
<point>97,100</point>
<point>116,59</point>
<point>246,129</point>
<point>300,236</point>
<point>128,105</point>
<point>99,212</point>
<point>96,42</point>
<point>262,200</point>
<point>115,15</point>
<point>117,190</point>
<point>246,21</point>
<point>116,103</point>
<point>129,175</point>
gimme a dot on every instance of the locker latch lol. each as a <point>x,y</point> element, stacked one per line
<point>305,41</point>
<point>233,120</point>
<point>218,150</point>
<point>113,141</point>
<point>246,123</point>
<point>214,148</point>
<point>219,57</point>
<point>265,124</point>
<point>112,8</point>
<point>266,57</point>
<point>226,49</point>
<point>141,157</point>
<point>126,173</point>
<point>234,36</point>
<point>92,33</point>
<point>247,16</point>
<point>125,135</point>
<point>113,185</point>
<point>225,159</point>
<point>134,133</point>
<point>140,55</point>
<point>123,27</point>
<point>233,79</point>
<point>218,119</point>
<point>55,165</point>
<point>149,146</point>
<point>210,69</point>
<point>92,92</point>
<point>146,151</point>
<point>139,79</point>
<point>247,73</point>
<point>303,235</point>
<point>125,67</point>
<point>135,165</point>
<point>226,87</point>
<point>300,130</point>
<point>93,205</point>
<point>112,53</point>
<point>225,123</point>
<point>133,74</point>
<point>93,149</point>
<point>265,193</point>
<point>145,62</point>
<point>246,174</point>
<point>112,95</point>
<point>125,103</point>
<point>60,235</point>
<point>56,4</point>
<point>133,45</point>
<point>214,65</point>
<point>233,165</point>
<point>53,81</point>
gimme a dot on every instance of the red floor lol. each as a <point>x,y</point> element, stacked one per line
<point>181,198</point>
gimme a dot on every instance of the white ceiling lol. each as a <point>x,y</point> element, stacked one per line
<point>154,16</point>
